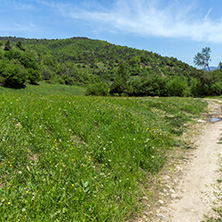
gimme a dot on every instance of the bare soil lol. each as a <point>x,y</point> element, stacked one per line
<point>186,190</point>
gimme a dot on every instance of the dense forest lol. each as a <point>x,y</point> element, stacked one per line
<point>102,67</point>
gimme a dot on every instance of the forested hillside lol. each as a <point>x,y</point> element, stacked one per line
<point>111,69</point>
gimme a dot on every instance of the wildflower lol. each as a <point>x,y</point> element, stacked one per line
<point>27,191</point>
<point>73,185</point>
<point>9,203</point>
<point>23,209</point>
<point>20,172</point>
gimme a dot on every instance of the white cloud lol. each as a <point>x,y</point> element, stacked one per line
<point>174,19</point>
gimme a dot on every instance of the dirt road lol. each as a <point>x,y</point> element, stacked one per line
<point>194,193</point>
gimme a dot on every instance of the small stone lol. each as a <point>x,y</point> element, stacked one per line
<point>163,217</point>
<point>172,191</point>
<point>201,121</point>
<point>145,198</point>
<point>175,196</point>
<point>161,202</point>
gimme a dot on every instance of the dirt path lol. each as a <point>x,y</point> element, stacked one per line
<point>193,194</point>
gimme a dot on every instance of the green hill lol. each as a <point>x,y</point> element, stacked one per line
<point>99,58</point>
<point>116,69</point>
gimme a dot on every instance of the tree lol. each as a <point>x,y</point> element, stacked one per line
<point>202,59</point>
<point>120,83</point>
<point>220,66</point>
<point>7,46</point>
<point>19,45</point>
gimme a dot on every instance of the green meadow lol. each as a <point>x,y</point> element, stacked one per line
<point>47,89</point>
<point>68,157</point>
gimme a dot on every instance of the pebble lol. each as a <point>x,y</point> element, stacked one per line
<point>163,217</point>
<point>201,121</point>
<point>161,202</point>
<point>172,191</point>
<point>145,198</point>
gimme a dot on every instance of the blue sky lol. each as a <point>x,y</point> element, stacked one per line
<point>178,28</point>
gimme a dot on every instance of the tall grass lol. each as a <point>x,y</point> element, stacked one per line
<point>68,158</point>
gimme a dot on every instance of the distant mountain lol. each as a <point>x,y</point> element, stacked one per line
<point>213,68</point>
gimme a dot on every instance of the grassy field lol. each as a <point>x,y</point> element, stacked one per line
<point>76,158</point>
<point>47,89</point>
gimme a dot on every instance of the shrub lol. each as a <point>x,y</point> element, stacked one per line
<point>33,75</point>
<point>98,89</point>
<point>13,75</point>
<point>177,86</point>
<point>195,87</point>
<point>66,79</point>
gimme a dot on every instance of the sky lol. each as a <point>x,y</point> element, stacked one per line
<point>173,28</point>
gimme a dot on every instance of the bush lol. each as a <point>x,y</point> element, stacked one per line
<point>195,87</point>
<point>177,86</point>
<point>152,85</point>
<point>12,74</point>
<point>67,80</point>
<point>216,89</point>
<point>98,89</point>
<point>33,76</point>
